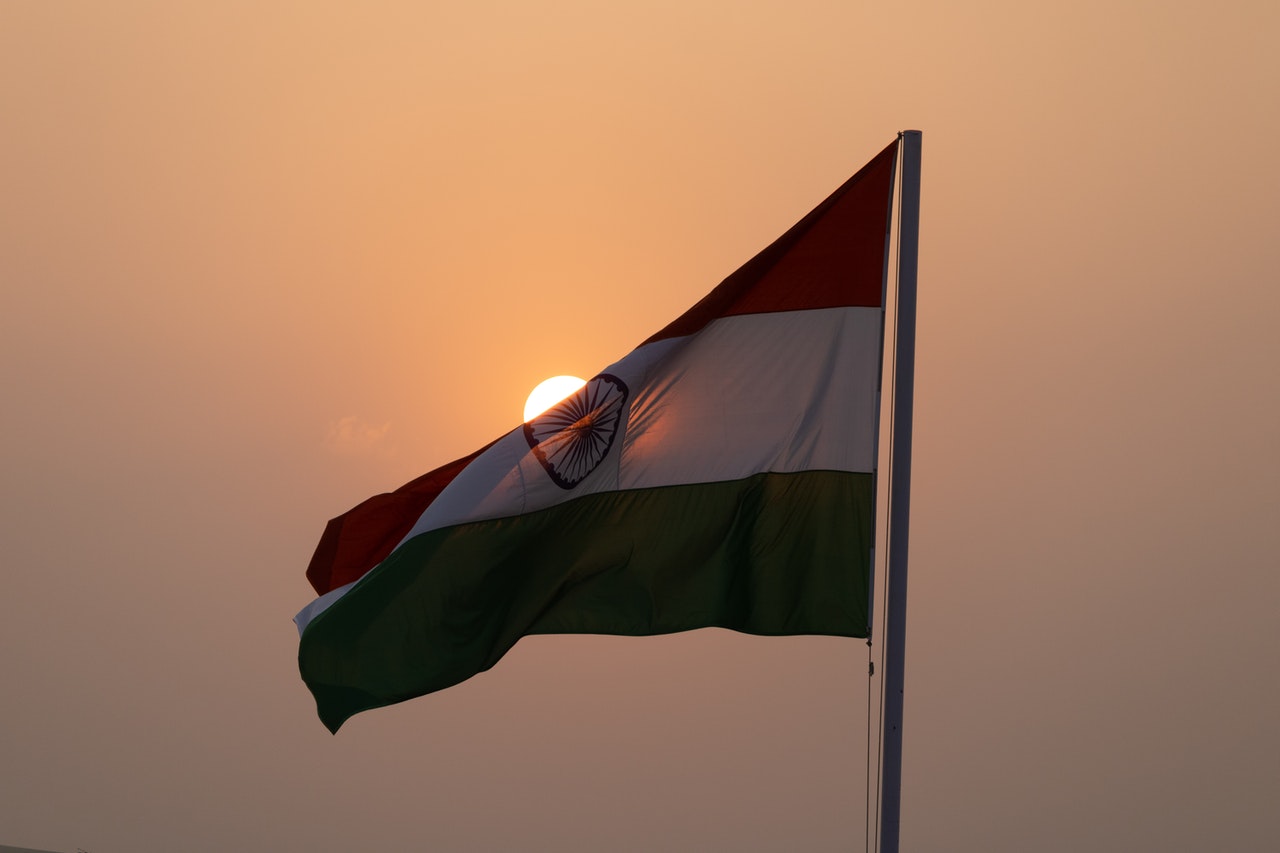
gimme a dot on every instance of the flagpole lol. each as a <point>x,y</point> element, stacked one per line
<point>900,490</point>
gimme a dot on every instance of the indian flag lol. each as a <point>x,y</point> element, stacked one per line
<point>720,475</point>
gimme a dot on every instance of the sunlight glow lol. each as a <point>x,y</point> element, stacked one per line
<point>548,393</point>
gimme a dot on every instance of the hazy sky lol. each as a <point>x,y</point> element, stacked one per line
<point>260,261</point>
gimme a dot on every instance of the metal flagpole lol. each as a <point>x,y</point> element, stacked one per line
<point>900,490</point>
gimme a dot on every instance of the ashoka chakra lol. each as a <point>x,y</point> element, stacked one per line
<point>572,437</point>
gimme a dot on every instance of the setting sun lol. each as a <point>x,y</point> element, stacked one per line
<point>548,393</point>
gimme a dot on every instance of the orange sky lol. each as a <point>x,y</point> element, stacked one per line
<point>258,264</point>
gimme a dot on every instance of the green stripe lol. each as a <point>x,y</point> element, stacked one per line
<point>771,554</point>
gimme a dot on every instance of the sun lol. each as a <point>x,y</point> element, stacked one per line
<point>548,393</point>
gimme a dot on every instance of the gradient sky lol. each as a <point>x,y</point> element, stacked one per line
<point>260,261</point>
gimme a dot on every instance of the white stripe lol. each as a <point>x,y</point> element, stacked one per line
<point>320,605</point>
<point>784,392</point>
<point>793,391</point>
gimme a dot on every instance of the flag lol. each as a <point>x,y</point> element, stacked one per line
<point>720,475</point>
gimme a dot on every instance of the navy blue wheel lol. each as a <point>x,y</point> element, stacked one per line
<point>574,436</point>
